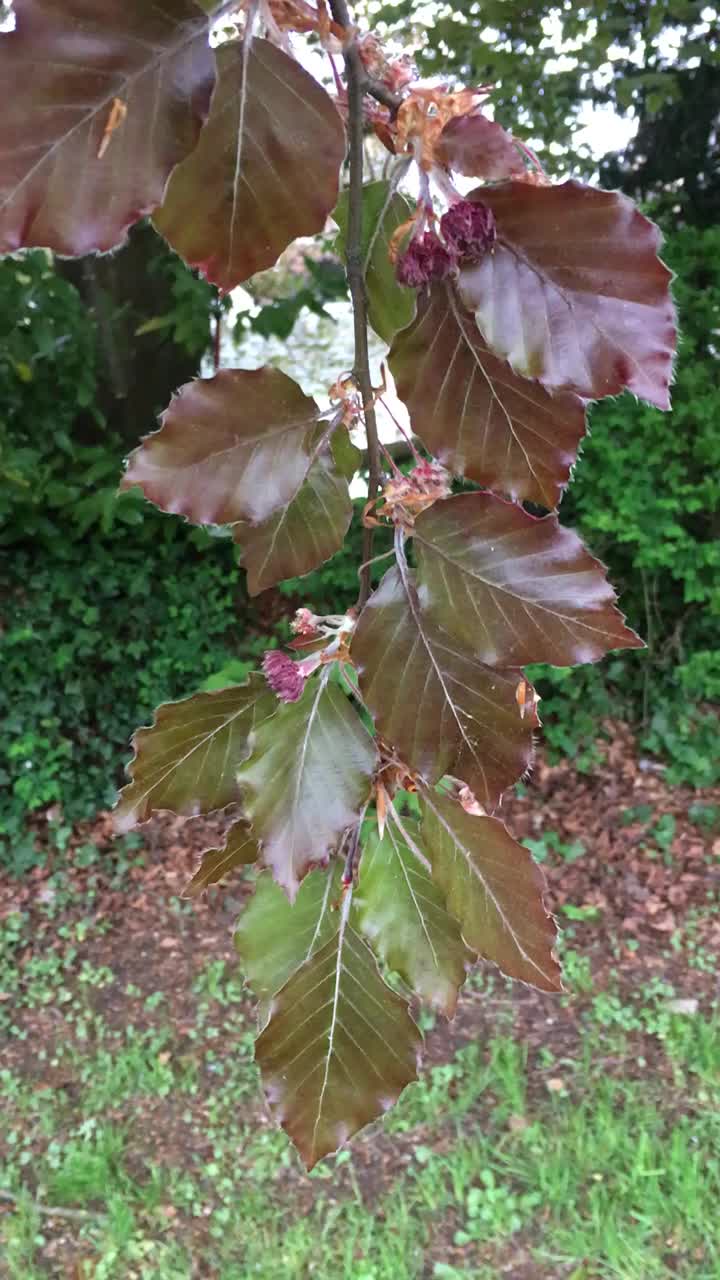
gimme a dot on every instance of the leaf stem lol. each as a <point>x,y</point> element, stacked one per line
<point>357,86</point>
<point>412,846</point>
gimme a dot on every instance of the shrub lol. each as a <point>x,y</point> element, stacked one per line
<point>90,643</point>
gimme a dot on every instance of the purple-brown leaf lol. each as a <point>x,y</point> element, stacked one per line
<point>513,588</point>
<point>574,292</point>
<point>494,889</point>
<point>233,447</point>
<point>100,102</point>
<point>306,780</point>
<point>441,709</point>
<point>478,148</point>
<point>479,418</point>
<point>239,850</point>
<point>339,1047</point>
<point>300,536</point>
<point>265,171</point>
<point>186,761</point>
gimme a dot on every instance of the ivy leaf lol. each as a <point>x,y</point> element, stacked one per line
<point>513,588</point>
<point>495,890</point>
<point>391,305</point>
<point>339,1047</point>
<point>573,292</point>
<point>478,148</point>
<point>81,83</point>
<point>186,761</point>
<point>478,417</point>
<point>402,913</point>
<point>442,710</point>
<point>274,936</point>
<point>239,850</point>
<point>300,536</point>
<point>233,447</point>
<point>307,779</point>
<point>265,171</point>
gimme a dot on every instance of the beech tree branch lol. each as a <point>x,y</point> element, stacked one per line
<point>356,84</point>
<point>377,90</point>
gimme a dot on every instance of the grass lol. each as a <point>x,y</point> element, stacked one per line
<point>592,1152</point>
<point>600,1170</point>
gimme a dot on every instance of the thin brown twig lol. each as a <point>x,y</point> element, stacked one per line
<point>377,90</point>
<point>51,1211</point>
<point>356,83</point>
<point>217,340</point>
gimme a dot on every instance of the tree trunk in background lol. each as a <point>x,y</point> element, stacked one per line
<point>136,374</point>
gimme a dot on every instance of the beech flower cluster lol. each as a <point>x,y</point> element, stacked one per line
<point>468,233</point>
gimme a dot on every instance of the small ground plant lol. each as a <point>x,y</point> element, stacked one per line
<point>361,769</point>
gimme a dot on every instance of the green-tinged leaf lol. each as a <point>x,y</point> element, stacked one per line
<point>265,171</point>
<point>513,588</point>
<point>495,890</point>
<point>300,536</point>
<point>478,148</point>
<point>390,305</point>
<point>274,936</point>
<point>307,779</point>
<point>100,102</point>
<point>402,913</point>
<point>233,447</point>
<point>346,455</point>
<point>339,1047</point>
<point>441,709</point>
<point>154,324</point>
<point>479,418</point>
<point>187,760</point>
<point>573,292</point>
<point>239,850</point>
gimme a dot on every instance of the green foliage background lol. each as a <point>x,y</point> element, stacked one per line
<point>108,607</point>
<point>646,497</point>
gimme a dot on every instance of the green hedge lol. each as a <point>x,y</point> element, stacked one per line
<point>94,637</point>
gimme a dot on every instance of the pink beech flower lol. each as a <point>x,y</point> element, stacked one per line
<point>286,677</point>
<point>468,229</point>
<point>425,259</point>
<point>304,623</point>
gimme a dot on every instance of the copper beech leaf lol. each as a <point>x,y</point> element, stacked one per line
<point>513,588</point>
<point>233,447</point>
<point>441,709</point>
<point>186,761</point>
<point>274,936</point>
<point>493,888</point>
<point>339,1046</point>
<point>391,305</point>
<point>307,779</point>
<point>265,171</point>
<point>239,850</point>
<point>301,535</point>
<point>100,102</point>
<point>401,912</point>
<point>573,292</point>
<point>479,418</point>
<point>478,148</point>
